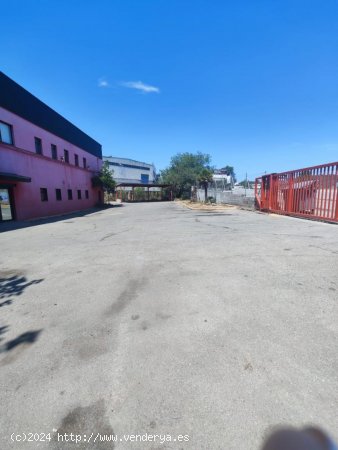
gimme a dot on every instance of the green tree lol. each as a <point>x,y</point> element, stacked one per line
<point>184,170</point>
<point>139,193</point>
<point>105,179</point>
<point>204,178</point>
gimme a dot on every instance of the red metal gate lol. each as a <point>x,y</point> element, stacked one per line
<point>311,192</point>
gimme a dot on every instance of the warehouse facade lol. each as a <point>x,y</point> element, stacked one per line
<point>46,162</point>
<point>127,170</point>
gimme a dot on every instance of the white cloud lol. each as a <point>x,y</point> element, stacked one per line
<point>146,88</point>
<point>103,83</point>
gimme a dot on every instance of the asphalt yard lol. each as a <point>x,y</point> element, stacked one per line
<point>157,320</point>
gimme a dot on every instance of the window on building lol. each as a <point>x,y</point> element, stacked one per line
<point>44,194</point>
<point>87,194</point>
<point>84,163</point>
<point>38,145</point>
<point>54,151</point>
<point>79,194</point>
<point>66,155</point>
<point>6,135</point>
<point>70,194</point>
<point>58,194</point>
<point>76,157</point>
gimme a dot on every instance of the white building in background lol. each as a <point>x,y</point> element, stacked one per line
<point>222,180</point>
<point>222,177</point>
<point>127,170</point>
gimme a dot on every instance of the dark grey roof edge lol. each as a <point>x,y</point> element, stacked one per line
<point>129,159</point>
<point>19,101</point>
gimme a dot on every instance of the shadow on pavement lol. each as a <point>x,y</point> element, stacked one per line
<point>25,338</point>
<point>15,225</point>
<point>12,285</point>
<point>3,331</point>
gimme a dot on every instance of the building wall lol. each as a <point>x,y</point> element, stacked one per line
<point>123,173</point>
<point>45,172</point>
<point>227,179</point>
<point>24,133</point>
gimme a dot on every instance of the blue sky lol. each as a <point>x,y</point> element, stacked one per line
<point>252,82</point>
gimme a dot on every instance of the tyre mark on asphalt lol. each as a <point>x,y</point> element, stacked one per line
<point>107,236</point>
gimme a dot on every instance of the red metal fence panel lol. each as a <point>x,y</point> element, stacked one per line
<point>311,192</point>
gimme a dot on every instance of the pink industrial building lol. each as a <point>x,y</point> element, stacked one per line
<point>46,163</point>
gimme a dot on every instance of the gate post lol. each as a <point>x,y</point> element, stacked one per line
<point>270,191</point>
<point>336,188</point>
<point>290,194</point>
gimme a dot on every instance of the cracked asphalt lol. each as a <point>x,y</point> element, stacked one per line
<point>153,318</point>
